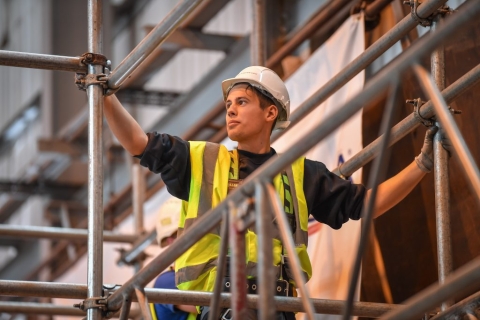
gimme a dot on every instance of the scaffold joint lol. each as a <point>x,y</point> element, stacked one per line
<point>92,303</point>
<point>426,22</point>
<point>84,80</point>
<point>95,59</point>
<point>417,104</point>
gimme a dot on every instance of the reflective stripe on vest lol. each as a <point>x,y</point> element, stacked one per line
<point>210,172</point>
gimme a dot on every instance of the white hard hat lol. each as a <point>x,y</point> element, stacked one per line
<point>270,84</point>
<point>168,218</point>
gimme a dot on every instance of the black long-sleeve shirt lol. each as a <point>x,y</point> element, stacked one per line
<point>330,199</point>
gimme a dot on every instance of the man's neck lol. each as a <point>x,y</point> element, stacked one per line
<point>258,147</point>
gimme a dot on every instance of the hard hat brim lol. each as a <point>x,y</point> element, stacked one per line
<point>228,84</point>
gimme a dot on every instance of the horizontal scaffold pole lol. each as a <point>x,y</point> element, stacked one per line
<point>39,308</point>
<point>467,305</point>
<point>461,281</point>
<point>11,231</point>
<point>177,297</point>
<point>408,124</point>
<point>156,37</point>
<point>42,61</point>
<point>372,90</point>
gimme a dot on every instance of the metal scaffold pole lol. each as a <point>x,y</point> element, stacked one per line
<point>266,272</point>
<point>257,39</point>
<point>461,281</point>
<point>95,163</point>
<point>197,298</point>
<point>441,177</point>
<point>158,35</point>
<point>60,233</point>
<point>138,190</point>
<point>42,61</point>
<point>238,274</point>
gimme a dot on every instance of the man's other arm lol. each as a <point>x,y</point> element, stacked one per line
<point>398,187</point>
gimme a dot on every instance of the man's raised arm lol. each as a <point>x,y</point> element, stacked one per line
<point>128,132</point>
<point>398,187</point>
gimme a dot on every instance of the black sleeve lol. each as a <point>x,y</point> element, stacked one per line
<point>330,199</point>
<point>169,156</point>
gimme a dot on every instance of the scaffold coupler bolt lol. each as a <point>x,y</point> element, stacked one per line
<point>92,303</point>
<point>417,104</point>
<point>83,80</point>
<point>426,22</point>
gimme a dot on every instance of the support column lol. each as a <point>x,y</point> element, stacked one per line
<point>95,165</point>
<point>257,37</point>
<point>442,188</point>
<point>238,274</point>
<point>138,187</point>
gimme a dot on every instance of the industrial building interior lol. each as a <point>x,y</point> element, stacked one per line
<point>45,138</point>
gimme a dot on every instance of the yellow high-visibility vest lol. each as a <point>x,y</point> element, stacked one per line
<point>212,165</point>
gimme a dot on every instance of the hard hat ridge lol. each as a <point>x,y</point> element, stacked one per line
<point>168,218</point>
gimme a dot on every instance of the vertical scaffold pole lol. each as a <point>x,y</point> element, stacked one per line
<point>238,274</point>
<point>95,169</point>
<point>442,188</point>
<point>138,197</point>
<point>257,38</point>
<point>266,271</point>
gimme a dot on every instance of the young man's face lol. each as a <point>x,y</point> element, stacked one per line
<point>245,118</point>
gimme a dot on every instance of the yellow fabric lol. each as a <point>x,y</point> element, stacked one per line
<point>152,311</point>
<point>220,178</point>
<point>297,168</point>
<point>196,163</point>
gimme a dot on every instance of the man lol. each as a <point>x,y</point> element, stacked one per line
<point>167,225</point>
<point>200,173</point>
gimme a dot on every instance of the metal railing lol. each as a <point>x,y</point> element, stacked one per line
<point>239,218</point>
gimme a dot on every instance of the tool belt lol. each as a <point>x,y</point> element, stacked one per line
<point>282,288</point>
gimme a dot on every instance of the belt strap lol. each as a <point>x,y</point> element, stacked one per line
<point>282,288</point>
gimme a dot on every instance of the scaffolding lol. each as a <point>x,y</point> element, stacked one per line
<point>233,214</point>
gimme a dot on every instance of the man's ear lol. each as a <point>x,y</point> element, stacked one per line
<point>271,112</point>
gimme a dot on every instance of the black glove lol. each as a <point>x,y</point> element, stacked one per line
<point>425,159</point>
<point>446,143</point>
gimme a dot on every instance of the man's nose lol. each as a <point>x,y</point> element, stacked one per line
<point>231,112</point>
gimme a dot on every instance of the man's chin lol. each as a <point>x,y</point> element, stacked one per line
<point>232,136</point>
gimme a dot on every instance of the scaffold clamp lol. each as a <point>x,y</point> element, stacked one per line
<point>95,59</point>
<point>417,104</point>
<point>426,22</point>
<point>92,303</point>
<point>84,80</point>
